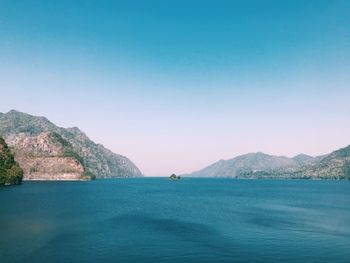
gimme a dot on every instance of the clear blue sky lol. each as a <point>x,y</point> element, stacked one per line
<point>177,85</point>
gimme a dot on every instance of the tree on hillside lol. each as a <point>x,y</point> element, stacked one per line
<point>10,172</point>
<point>347,169</point>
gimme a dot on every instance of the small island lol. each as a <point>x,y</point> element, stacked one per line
<point>175,177</point>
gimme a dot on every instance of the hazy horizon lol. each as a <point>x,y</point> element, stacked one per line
<point>178,85</point>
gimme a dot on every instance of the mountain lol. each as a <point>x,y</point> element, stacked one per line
<point>247,164</point>
<point>22,132</point>
<point>304,159</point>
<point>10,172</point>
<point>335,165</point>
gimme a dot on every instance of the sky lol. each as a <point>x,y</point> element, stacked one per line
<point>177,85</point>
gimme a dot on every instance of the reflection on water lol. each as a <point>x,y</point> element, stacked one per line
<point>192,220</point>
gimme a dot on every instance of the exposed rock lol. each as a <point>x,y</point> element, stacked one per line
<point>46,157</point>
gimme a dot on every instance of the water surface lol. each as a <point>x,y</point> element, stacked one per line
<point>191,220</point>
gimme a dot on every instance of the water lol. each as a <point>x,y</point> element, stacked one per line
<point>191,220</point>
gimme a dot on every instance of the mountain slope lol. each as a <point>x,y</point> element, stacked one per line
<point>336,165</point>
<point>304,159</point>
<point>96,159</point>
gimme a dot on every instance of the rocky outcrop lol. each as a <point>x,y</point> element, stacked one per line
<point>98,161</point>
<point>52,168</point>
<point>47,156</point>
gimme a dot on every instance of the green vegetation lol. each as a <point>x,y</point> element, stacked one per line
<point>89,176</point>
<point>10,172</point>
<point>347,169</point>
<point>175,177</point>
<point>67,148</point>
<point>68,151</point>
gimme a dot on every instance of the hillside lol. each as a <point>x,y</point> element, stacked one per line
<point>336,165</point>
<point>17,127</point>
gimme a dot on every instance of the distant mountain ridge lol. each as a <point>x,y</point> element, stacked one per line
<point>335,165</point>
<point>96,160</point>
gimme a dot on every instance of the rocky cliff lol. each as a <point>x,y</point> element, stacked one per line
<point>36,141</point>
<point>46,156</point>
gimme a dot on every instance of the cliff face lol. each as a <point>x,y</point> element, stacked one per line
<point>18,128</point>
<point>10,172</point>
<point>46,156</point>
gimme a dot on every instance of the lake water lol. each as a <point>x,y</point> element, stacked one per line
<point>191,220</point>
